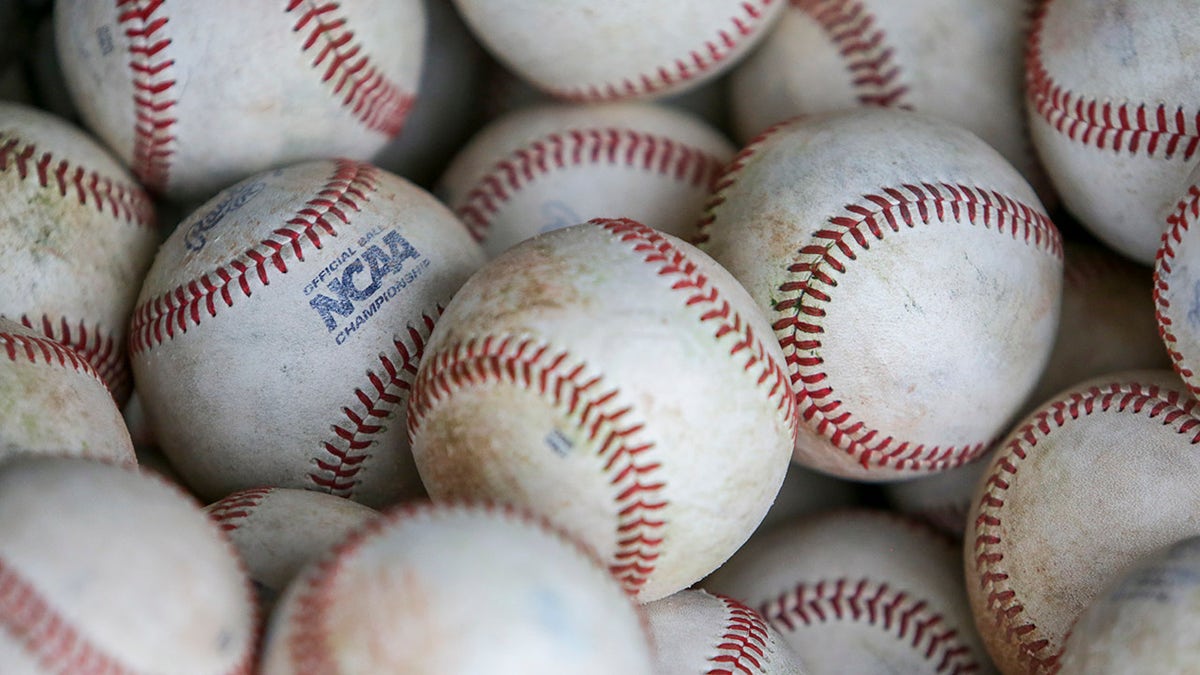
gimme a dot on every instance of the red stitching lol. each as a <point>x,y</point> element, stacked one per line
<point>694,64</point>
<point>554,374</point>
<point>575,147</point>
<point>875,604</point>
<point>158,319</point>
<point>855,35</point>
<point>153,140</point>
<point>29,618</point>
<point>800,307</point>
<point>230,511</point>
<point>123,201</point>
<point>1174,409</point>
<point>45,634</point>
<point>1179,222</point>
<point>345,453</point>
<point>627,456</point>
<point>378,103</point>
<point>1152,130</point>
<point>729,176</point>
<point>44,350</point>
<point>308,651</point>
<point>743,646</point>
<point>96,346</point>
<point>672,262</point>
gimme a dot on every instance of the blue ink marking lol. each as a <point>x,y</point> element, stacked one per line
<point>559,443</point>
<point>352,297</point>
<point>557,215</point>
<point>1193,315</point>
<point>196,238</point>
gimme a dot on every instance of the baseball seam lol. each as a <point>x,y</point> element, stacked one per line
<point>1008,610</point>
<point>230,511</point>
<point>1179,222</point>
<point>800,309</point>
<point>44,350</point>
<point>742,646</point>
<point>378,103</point>
<point>44,634</point>
<point>153,137</point>
<point>158,319</point>
<point>869,59</point>
<point>346,453</point>
<point>316,593</point>
<point>1133,127</point>
<point>523,362</point>
<point>96,346</point>
<point>729,177</point>
<point>123,201</point>
<point>575,147</point>
<point>876,604</point>
<point>600,413</point>
<point>695,63</point>
<point>674,263</point>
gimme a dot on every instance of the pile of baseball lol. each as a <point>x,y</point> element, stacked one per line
<point>671,337</point>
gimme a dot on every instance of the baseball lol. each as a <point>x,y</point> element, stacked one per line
<point>104,570</point>
<point>1145,622</point>
<point>54,402</point>
<point>277,531</point>
<point>1176,301</point>
<point>696,632</point>
<point>959,60</point>
<point>1106,325</point>
<point>279,329</point>
<point>550,166</point>
<point>1098,477</point>
<point>618,381</point>
<point>588,52</point>
<point>910,275</point>
<point>195,96</point>
<point>859,591</point>
<point>1111,91</point>
<point>79,235</point>
<point>457,589</point>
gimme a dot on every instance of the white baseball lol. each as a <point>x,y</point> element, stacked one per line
<point>79,235</point>
<point>1098,477</point>
<point>1106,325</point>
<point>196,96</point>
<point>959,60</point>
<point>1145,622</point>
<point>547,167</point>
<point>1111,88</point>
<point>587,52</point>
<point>455,589</point>
<point>1176,292</point>
<point>859,591</point>
<point>618,381</point>
<point>104,570</point>
<point>277,531</point>
<point>280,327</point>
<point>54,402</point>
<point>695,632</point>
<point>910,274</point>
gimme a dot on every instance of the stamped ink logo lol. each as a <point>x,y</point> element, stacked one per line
<point>364,276</point>
<point>196,236</point>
